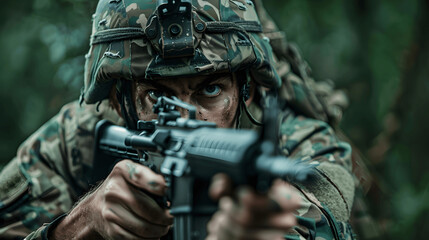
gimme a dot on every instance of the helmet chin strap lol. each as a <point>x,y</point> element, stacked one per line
<point>128,109</point>
<point>244,81</point>
<point>249,114</point>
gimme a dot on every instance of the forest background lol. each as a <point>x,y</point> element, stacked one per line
<point>377,51</point>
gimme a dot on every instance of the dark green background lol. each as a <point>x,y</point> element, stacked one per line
<point>376,50</point>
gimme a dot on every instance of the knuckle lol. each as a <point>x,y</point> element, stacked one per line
<point>121,166</point>
<point>150,231</point>
<point>164,231</point>
<point>108,233</point>
<point>117,233</point>
<point>146,230</point>
<point>117,171</point>
<point>169,220</point>
<point>111,191</point>
<point>163,221</point>
<point>107,215</point>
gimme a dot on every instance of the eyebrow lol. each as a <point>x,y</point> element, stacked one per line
<point>204,82</point>
<point>154,84</point>
<point>212,78</point>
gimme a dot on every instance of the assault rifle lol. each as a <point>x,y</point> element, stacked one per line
<point>188,152</point>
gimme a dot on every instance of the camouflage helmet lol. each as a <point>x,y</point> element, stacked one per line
<point>149,39</point>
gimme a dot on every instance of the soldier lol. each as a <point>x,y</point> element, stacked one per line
<point>217,55</point>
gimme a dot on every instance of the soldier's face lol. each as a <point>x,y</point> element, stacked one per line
<point>216,97</point>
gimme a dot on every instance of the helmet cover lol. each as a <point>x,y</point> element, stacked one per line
<point>148,39</point>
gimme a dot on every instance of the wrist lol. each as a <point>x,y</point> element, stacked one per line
<point>78,224</point>
<point>48,227</point>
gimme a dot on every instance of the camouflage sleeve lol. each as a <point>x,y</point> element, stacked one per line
<point>49,172</point>
<point>327,199</point>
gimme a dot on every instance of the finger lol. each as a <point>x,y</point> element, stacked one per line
<point>214,223</point>
<point>220,186</point>
<point>261,234</point>
<point>255,203</point>
<point>141,177</point>
<point>286,195</point>
<point>227,204</point>
<point>280,221</point>
<point>283,221</point>
<point>257,211</point>
<point>245,212</point>
<point>120,215</point>
<point>223,227</point>
<point>216,227</point>
<point>116,232</point>
<point>282,197</point>
<point>117,190</point>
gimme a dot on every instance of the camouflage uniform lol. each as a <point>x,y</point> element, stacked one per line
<point>51,170</point>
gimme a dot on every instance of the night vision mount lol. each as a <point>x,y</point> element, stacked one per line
<point>172,24</point>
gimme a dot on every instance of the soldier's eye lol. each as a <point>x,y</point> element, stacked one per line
<point>155,94</point>
<point>212,90</point>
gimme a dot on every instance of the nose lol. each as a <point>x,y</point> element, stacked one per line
<point>184,113</point>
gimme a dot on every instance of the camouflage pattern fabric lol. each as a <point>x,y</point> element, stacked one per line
<point>52,167</point>
<point>47,176</point>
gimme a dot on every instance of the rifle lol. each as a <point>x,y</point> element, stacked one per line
<point>188,152</point>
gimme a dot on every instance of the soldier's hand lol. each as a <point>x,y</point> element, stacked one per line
<point>249,215</point>
<point>119,208</point>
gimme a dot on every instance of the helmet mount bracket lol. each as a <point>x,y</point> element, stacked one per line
<point>175,23</point>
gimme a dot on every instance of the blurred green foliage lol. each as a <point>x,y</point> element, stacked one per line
<point>377,51</point>
<point>43,44</point>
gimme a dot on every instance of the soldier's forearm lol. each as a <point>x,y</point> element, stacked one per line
<point>76,225</point>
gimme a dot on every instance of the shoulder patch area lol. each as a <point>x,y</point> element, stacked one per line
<point>335,188</point>
<point>13,184</point>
